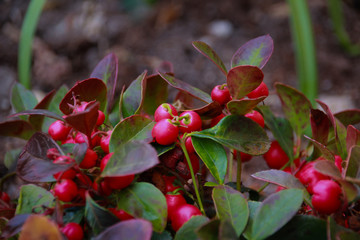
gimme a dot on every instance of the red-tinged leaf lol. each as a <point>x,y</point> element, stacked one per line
<point>183,86</point>
<point>107,70</point>
<point>243,106</point>
<point>352,167</point>
<point>14,226</point>
<point>320,126</point>
<point>327,168</point>
<point>16,128</point>
<point>350,190</point>
<point>132,97</point>
<point>40,227</point>
<point>241,80</point>
<point>84,121</point>
<point>208,52</point>
<point>280,178</point>
<point>38,120</point>
<point>352,137</point>
<point>154,92</point>
<point>329,114</point>
<point>210,110</point>
<point>39,112</point>
<point>186,99</point>
<point>347,117</point>
<point>326,153</point>
<point>134,229</point>
<point>255,52</point>
<point>86,90</point>
<point>33,164</point>
<point>296,107</point>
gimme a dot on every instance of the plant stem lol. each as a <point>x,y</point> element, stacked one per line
<point>182,144</point>
<point>238,171</point>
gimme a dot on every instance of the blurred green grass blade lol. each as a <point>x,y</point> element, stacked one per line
<point>26,40</point>
<point>337,18</point>
<point>304,48</point>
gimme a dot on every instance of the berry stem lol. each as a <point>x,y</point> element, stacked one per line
<point>183,147</point>
<point>238,171</point>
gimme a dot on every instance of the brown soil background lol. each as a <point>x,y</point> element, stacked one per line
<point>72,36</point>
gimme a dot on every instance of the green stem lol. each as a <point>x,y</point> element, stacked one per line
<point>182,144</point>
<point>238,171</point>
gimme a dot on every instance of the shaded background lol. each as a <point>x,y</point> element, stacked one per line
<point>72,36</point>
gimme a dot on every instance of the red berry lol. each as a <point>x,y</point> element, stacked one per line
<point>162,112</point>
<point>185,173</point>
<point>83,179</point>
<point>65,190</point>
<point>101,118</point>
<point>5,197</point>
<point>189,146</point>
<point>169,183</point>
<point>164,132</point>
<point>73,231</point>
<point>256,117</point>
<point>121,214</point>
<point>309,176</point>
<point>104,142</point>
<point>327,197</point>
<point>261,91</point>
<point>276,158</point>
<point>173,202</point>
<point>244,156</point>
<point>104,161</point>
<point>89,160</point>
<point>220,94</point>
<point>52,153</point>
<point>68,174</point>
<point>216,119</point>
<point>102,188</point>
<point>182,214</point>
<point>191,122</point>
<point>119,182</point>
<point>58,130</point>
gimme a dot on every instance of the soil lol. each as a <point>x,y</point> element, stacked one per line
<point>72,36</point>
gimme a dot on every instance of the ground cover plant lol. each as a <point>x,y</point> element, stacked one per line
<point>147,166</point>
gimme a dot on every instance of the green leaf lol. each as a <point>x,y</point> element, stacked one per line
<point>281,129</point>
<point>217,229</point>
<point>279,177</point>
<point>253,207</point>
<point>296,107</point>
<point>213,155</point>
<point>255,52</point>
<point>352,167</point>
<point>232,206</point>
<point>144,200</point>
<point>131,158</point>
<point>187,231</point>
<point>131,100</point>
<point>275,211</point>
<point>97,217</point>
<point>22,99</point>
<point>241,80</point>
<point>243,106</point>
<point>348,117</point>
<point>161,149</point>
<point>208,52</point>
<point>32,199</point>
<point>37,121</point>
<point>10,159</point>
<point>240,133</point>
<point>165,235</point>
<point>136,127</point>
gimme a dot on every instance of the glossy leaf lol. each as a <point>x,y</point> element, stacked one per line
<point>276,210</point>
<point>188,230</point>
<point>14,225</point>
<point>107,70</point>
<point>209,111</point>
<point>21,98</point>
<point>213,155</point>
<point>326,153</point>
<point>136,127</point>
<point>86,90</point>
<point>320,126</point>
<point>39,227</point>
<point>16,128</point>
<point>253,207</point>
<point>279,177</point>
<point>144,200</point>
<point>243,106</point>
<point>255,52</point>
<point>154,93</point>
<point>217,229</point>
<point>296,107</point>
<point>32,197</point>
<point>352,137</point>
<point>84,121</point>
<point>281,129</point>
<point>161,149</point>
<point>33,164</point>
<point>37,121</point>
<point>348,117</point>
<point>230,205</point>
<point>131,158</point>
<point>352,168</point>
<point>39,112</point>
<point>133,229</point>
<point>183,86</point>
<point>208,52</point>
<point>131,98</point>
<point>97,217</point>
<point>241,80</point>
<point>238,132</point>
